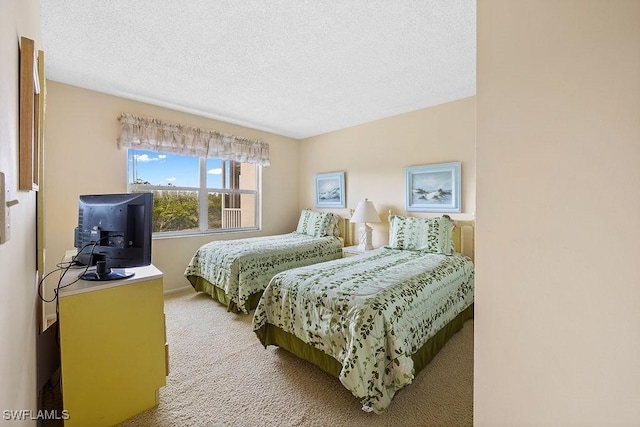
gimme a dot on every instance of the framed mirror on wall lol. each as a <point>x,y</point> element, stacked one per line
<point>39,182</point>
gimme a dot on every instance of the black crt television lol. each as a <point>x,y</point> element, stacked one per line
<point>114,232</point>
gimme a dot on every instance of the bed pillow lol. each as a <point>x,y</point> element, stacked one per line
<point>317,224</point>
<point>431,235</point>
<point>334,228</point>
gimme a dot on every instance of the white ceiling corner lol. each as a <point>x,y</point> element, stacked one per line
<point>294,68</point>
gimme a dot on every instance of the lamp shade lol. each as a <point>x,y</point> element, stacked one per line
<point>365,212</point>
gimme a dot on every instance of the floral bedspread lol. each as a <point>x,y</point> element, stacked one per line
<point>244,267</point>
<point>370,312</point>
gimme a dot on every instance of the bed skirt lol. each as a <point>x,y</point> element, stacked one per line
<point>201,284</point>
<point>273,335</point>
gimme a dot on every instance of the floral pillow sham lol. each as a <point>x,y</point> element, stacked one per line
<point>431,235</point>
<point>317,224</point>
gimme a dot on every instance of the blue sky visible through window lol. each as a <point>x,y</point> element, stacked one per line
<point>171,169</point>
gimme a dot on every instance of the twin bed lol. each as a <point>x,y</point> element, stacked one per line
<point>236,272</point>
<point>374,320</point>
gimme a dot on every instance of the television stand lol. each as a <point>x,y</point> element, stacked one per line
<point>113,349</point>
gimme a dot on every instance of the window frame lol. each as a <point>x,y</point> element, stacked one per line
<point>203,193</point>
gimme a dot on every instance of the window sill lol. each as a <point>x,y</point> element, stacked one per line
<point>189,234</point>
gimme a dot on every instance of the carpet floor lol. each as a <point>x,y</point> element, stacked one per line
<point>220,375</point>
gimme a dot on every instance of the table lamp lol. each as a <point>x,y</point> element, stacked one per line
<point>365,212</point>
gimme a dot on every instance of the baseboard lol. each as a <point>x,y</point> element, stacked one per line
<point>173,291</point>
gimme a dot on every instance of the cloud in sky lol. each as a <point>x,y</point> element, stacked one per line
<point>215,171</point>
<point>173,178</point>
<point>147,158</point>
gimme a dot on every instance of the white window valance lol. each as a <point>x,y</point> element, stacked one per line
<point>155,135</point>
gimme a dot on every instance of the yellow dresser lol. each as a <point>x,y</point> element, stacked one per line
<point>113,347</point>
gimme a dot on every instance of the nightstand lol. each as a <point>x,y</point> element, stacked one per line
<point>352,251</point>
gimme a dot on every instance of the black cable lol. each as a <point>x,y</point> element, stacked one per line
<point>56,291</point>
<point>66,268</point>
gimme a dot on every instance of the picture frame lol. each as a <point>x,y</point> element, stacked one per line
<point>30,117</point>
<point>330,190</point>
<point>433,188</point>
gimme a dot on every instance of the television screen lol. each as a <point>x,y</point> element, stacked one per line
<point>114,231</point>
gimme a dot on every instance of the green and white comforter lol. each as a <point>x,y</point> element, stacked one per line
<point>244,267</point>
<point>370,312</point>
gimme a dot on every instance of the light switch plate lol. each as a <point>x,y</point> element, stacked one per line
<point>4,210</point>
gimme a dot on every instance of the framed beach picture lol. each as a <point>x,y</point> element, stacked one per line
<point>433,188</point>
<point>330,190</point>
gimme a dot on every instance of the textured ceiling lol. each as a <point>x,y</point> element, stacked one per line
<point>294,68</point>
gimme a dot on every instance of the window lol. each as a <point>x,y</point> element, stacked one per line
<point>196,194</point>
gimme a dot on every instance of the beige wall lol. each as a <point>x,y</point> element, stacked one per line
<point>18,314</point>
<point>374,156</point>
<point>82,158</point>
<point>557,321</point>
